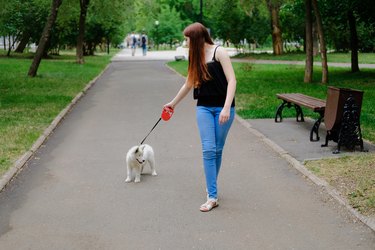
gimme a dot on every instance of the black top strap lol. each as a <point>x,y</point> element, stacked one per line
<point>214,56</point>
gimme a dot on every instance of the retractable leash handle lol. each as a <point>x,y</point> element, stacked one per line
<point>166,114</point>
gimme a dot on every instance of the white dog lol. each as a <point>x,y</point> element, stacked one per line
<point>136,158</point>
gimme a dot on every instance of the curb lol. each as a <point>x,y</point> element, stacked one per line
<point>304,171</point>
<point>8,176</point>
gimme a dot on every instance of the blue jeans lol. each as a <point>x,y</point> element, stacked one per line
<point>144,49</point>
<point>213,136</point>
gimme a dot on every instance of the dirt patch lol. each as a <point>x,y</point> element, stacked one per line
<point>353,177</point>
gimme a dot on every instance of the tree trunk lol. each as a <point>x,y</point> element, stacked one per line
<point>45,37</point>
<point>81,35</point>
<point>277,41</point>
<point>24,41</point>
<point>90,49</point>
<point>12,42</point>
<point>353,41</point>
<point>315,39</point>
<point>9,43</point>
<point>108,45</point>
<point>309,44</point>
<point>323,47</point>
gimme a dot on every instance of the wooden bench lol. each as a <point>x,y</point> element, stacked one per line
<point>297,100</point>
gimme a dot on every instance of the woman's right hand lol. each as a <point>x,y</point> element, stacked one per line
<point>169,105</point>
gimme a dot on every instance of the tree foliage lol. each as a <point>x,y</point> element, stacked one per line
<point>23,17</point>
<point>238,20</point>
<point>336,14</point>
<point>170,26</point>
<point>227,20</point>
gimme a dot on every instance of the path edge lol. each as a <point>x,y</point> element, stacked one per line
<point>20,163</point>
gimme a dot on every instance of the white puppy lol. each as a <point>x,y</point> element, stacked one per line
<point>136,158</point>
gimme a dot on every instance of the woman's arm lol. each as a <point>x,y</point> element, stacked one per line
<point>224,59</point>
<point>180,95</point>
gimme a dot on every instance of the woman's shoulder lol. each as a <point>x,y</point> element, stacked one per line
<point>221,53</point>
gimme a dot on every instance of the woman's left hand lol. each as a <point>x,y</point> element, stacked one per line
<point>224,116</point>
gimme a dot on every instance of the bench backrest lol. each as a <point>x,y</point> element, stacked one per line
<point>336,98</point>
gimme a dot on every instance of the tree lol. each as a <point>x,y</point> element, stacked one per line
<point>366,26</point>
<point>189,10</point>
<point>170,27</point>
<point>230,23</point>
<point>42,45</point>
<point>350,26</point>
<point>143,16</point>
<point>32,14</point>
<point>292,19</point>
<point>255,20</point>
<point>107,23</point>
<point>22,20</point>
<point>84,4</point>
<point>309,43</point>
<point>353,41</point>
<point>277,41</point>
<point>323,49</point>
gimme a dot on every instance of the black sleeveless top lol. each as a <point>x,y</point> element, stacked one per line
<point>212,93</point>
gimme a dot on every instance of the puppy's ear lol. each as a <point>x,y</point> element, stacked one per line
<point>142,147</point>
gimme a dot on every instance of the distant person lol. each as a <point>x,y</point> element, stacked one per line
<point>212,79</point>
<point>144,43</point>
<point>133,42</point>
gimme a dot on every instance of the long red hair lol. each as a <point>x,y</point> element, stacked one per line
<point>197,70</point>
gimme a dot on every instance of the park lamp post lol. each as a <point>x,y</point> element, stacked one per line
<point>157,34</point>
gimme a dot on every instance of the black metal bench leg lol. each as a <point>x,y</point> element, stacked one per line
<point>337,151</point>
<point>361,140</point>
<point>315,128</point>
<point>326,141</point>
<point>279,111</point>
<point>299,113</point>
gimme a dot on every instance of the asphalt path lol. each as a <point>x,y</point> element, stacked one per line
<point>72,194</point>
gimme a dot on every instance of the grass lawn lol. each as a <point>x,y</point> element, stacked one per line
<point>28,105</point>
<point>257,86</point>
<point>299,56</point>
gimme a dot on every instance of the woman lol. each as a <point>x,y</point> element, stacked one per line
<point>211,76</point>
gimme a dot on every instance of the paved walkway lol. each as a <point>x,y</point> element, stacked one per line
<point>72,194</point>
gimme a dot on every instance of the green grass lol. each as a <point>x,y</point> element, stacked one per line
<point>298,56</point>
<point>28,105</point>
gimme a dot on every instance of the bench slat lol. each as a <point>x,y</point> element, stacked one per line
<point>303,100</point>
